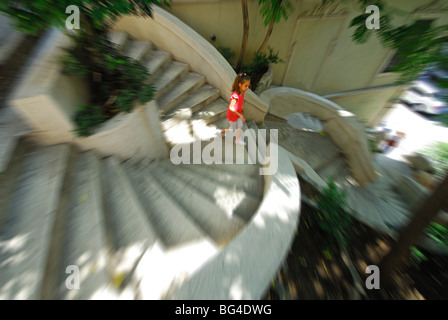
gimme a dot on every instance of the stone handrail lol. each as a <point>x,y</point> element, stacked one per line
<point>170,34</point>
<point>244,268</point>
<point>342,127</point>
<point>46,99</point>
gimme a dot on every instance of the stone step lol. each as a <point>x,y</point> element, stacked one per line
<point>325,161</point>
<point>16,48</point>
<point>181,133</point>
<point>251,185</point>
<point>249,141</point>
<point>79,237</point>
<point>253,125</point>
<point>170,221</point>
<point>332,169</point>
<point>128,231</point>
<point>365,209</point>
<point>118,38</point>
<point>247,170</point>
<point>10,39</point>
<point>316,149</point>
<point>231,199</point>
<point>394,216</point>
<point>169,77</point>
<point>221,123</point>
<point>138,49</point>
<point>172,268</point>
<point>155,62</point>
<point>180,91</point>
<point>213,220</point>
<point>12,127</point>
<point>212,112</point>
<point>268,132</point>
<point>251,145</point>
<point>10,174</point>
<point>251,171</point>
<point>260,138</point>
<point>7,145</point>
<point>206,133</point>
<point>205,146</point>
<point>304,121</point>
<point>193,103</point>
<point>342,177</point>
<point>26,230</point>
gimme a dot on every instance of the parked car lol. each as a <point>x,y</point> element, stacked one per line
<point>425,97</point>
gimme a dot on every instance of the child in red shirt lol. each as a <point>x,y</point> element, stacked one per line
<point>236,110</point>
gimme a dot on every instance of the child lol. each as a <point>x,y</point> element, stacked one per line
<point>393,142</point>
<point>236,110</point>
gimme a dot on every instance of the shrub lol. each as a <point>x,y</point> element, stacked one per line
<point>438,155</point>
<point>335,220</point>
<point>87,118</point>
<point>116,83</point>
<point>260,65</point>
<point>226,52</point>
<point>438,233</point>
<point>443,119</point>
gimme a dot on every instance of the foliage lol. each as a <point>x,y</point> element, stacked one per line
<point>71,65</point>
<point>435,231</point>
<point>115,82</point>
<point>275,9</point>
<point>335,220</point>
<point>438,232</point>
<point>121,85</point>
<point>260,65</point>
<point>87,118</point>
<point>443,119</point>
<point>245,12</point>
<point>119,82</point>
<point>32,16</point>
<point>226,52</point>
<point>438,156</point>
<point>442,64</point>
<point>418,43</point>
<point>373,140</point>
<point>417,256</point>
<point>373,145</point>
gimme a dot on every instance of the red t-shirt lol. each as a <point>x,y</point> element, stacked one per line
<point>231,116</point>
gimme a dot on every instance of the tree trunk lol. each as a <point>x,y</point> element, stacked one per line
<point>268,35</point>
<point>413,232</point>
<point>245,35</point>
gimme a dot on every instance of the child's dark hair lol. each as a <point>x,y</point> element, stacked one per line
<point>240,78</point>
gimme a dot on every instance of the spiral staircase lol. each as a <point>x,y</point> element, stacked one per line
<point>76,225</point>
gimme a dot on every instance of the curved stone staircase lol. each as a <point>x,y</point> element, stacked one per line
<point>61,207</point>
<point>187,103</point>
<point>303,136</point>
<point>116,222</point>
